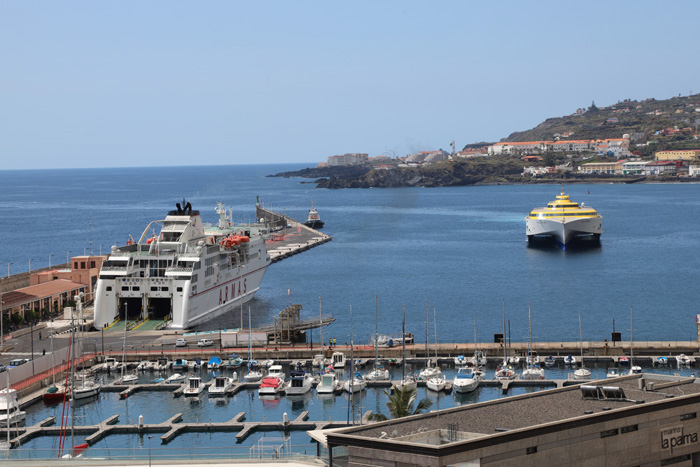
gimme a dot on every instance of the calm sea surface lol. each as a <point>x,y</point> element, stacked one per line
<point>463,249</point>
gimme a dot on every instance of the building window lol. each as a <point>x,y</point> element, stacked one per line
<point>608,433</point>
<point>531,450</point>
<point>689,416</point>
<point>92,265</point>
<point>82,265</point>
<point>75,265</point>
<point>628,429</point>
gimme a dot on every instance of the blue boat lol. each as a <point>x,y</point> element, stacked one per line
<point>214,363</point>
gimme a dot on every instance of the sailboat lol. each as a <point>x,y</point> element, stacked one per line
<point>379,373</point>
<point>634,369</point>
<point>354,383</point>
<point>505,371</point>
<point>583,372</point>
<point>129,377</point>
<point>438,382</point>
<point>408,381</point>
<point>55,393</point>
<point>533,370</point>
<point>428,372</point>
<point>253,374</point>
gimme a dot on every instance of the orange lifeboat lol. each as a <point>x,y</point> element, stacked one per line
<point>151,240</point>
<point>244,239</point>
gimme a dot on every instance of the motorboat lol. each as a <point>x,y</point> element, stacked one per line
<point>663,361</point>
<point>467,380</point>
<point>233,362</point>
<point>214,363</point>
<point>56,393</point>
<point>570,360</point>
<point>111,364</point>
<point>10,413</point>
<point>461,360</point>
<point>532,359</point>
<point>409,383</point>
<point>354,384</point>
<point>635,370</point>
<point>533,372</point>
<point>549,361</point>
<point>682,360</point>
<point>145,365</point>
<point>436,383</point>
<point>319,361</point>
<point>194,386</point>
<point>129,378</point>
<point>514,360</point>
<point>162,364</point>
<point>582,373</point>
<point>267,363</point>
<point>271,385</point>
<point>338,360</point>
<point>299,383</point>
<point>624,361</point>
<point>563,220</point>
<point>276,371</point>
<point>174,378</point>
<point>328,384</point>
<point>220,385</point>
<point>179,364</point>
<point>313,220</point>
<point>612,373</point>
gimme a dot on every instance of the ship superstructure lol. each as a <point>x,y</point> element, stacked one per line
<point>185,273</point>
<point>564,220</point>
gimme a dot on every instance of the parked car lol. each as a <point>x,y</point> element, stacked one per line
<point>205,343</point>
<point>18,362</point>
<point>181,342</point>
<point>2,368</point>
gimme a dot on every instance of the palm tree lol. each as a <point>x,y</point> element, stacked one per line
<point>400,404</point>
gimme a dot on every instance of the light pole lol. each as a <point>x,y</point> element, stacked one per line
<point>50,260</point>
<point>101,249</point>
<point>149,450</point>
<point>30,264</point>
<point>8,269</point>
<point>68,257</point>
<point>2,318</point>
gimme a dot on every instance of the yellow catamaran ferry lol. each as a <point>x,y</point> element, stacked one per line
<point>564,220</point>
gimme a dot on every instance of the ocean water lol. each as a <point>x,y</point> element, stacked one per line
<point>461,250</point>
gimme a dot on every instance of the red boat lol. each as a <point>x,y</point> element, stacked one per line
<point>55,394</point>
<point>624,361</point>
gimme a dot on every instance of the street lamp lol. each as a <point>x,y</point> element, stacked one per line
<point>101,249</point>
<point>2,316</point>
<point>50,260</point>
<point>149,450</point>
<point>30,264</point>
<point>68,257</point>
<point>8,269</point>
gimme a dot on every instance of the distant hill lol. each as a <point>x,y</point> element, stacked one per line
<point>640,119</point>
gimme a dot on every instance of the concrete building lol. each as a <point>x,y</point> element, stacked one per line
<point>634,167</point>
<point>660,168</point>
<point>83,270</point>
<point>608,168</point>
<point>683,155</point>
<point>694,171</point>
<point>49,296</point>
<point>348,159</point>
<point>649,420</point>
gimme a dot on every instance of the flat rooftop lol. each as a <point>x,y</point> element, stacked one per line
<point>526,411</point>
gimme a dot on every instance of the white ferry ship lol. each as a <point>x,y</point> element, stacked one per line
<point>564,220</point>
<point>186,273</point>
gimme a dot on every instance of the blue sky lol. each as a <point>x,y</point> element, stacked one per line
<point>104,84</point>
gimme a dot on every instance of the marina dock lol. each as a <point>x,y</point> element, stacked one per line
<point>289,236</point>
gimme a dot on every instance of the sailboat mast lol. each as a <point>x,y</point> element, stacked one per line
<point>403,340</point>
<point>505,355</point>
<point>320,320</point>
<point>631,339</point>
<point>529,346</point>
<point>427,323</point>
<point>352,370</point>
<point>376,331</point>
<point>435,327</point>
<point>580,336</point>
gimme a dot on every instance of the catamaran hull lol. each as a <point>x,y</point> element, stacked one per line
<point>564,230</point>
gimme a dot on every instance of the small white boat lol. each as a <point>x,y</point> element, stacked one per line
<point>409,382</point>
<point>549,361</point>
<point>533,372</point>
<point>162,364</point>
<point>175,378</point>
<point>271,385</point>
<point>429,372</point>
<point>582,373</point>
<point>514,360</point>
<point>570,360</point>
<point>111,364</point>
<point>194,386</point>
<point>354,384</point>
<point>532,359</point>
<point>220,385</point>
<point>436,383</point>
<point>267,363</point>
<point>214,363</point>
<point>329,384</point>
<point>479,358</point>
<point>145,365</point>
<point>467,380</point>
<point>682,360</point>
<point>128,379</point>
<point>461,360</point>
<point>612,373</point>
<point>663,361</point>
<point>505,372</point>
<point>276,371</point>
<point>300,383</point>
<point>338,360</point>
<point>319,361</point>
<point>179,364</point>
<point>635,370</point>
<point>253,376</point>
<point>378,374</point>
<point>10,413</point>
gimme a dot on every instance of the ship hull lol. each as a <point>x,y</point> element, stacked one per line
<point>564,230</point>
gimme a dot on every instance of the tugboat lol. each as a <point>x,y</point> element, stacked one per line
<point>313,220</point>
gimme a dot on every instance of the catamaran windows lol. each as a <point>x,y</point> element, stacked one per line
<point>209,271</point>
